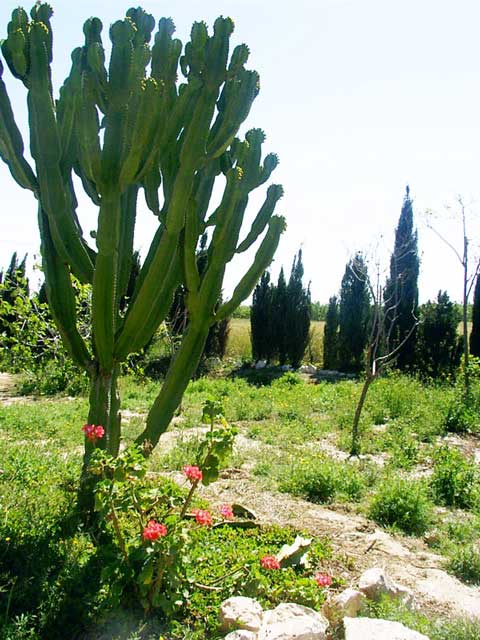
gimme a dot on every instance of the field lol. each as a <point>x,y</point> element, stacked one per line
<point>414,481</point>
<point>239,347</point>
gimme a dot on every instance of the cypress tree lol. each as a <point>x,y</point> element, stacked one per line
<point>439,346</point>
<point>354,316</point>
<point>401,290</point>
<point>280,312</point>
<point>330,335</point>
<point>297,321</point>
<point>475,333</point>
<point>261,319</point>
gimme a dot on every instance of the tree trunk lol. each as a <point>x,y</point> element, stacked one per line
<point>355,448</point>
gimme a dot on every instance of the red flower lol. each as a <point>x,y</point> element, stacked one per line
<point>194,474</point>
<point>203,517</point>
<point>93,432</point>
<point>226,511</point>
<point>323,579</point>
<point>270,562</point>
<point>154,530</point>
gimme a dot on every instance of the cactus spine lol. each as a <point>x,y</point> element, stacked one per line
<point>126,129</point>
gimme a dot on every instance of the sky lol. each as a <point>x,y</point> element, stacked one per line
<point>358,98</point>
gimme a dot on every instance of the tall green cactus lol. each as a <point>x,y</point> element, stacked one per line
<point>123,130</point>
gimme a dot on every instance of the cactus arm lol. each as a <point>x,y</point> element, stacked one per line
<point>179,374</point>
<point>11,143</point>
<point>61,296</point>
<point>152,298</point>
<point>127,229</point>
<point>262,260</point>
<point>274,193</point>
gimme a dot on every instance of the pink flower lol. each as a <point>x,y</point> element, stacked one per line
<point>226,511</point>
<point>154,530</point>
<point>93,432</point>
<point>323,579</point>
<point>203,517</point>
<point>270,562</point>
<point>194,474</point>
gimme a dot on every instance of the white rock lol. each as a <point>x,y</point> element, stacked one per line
<point>347,603</point>
<point>286,367</point>
<point>476,456</point>
<point>292,622</point>
<point>261,364</point>
<point>308,368</point>
<point>375,583</point>
<point>240,612</point>
<point>372,629</point>
<point>241,634</point>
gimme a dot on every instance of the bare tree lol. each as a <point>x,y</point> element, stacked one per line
<point>469,274</point>
<point>379,355</point>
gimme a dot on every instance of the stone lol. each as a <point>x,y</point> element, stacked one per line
<point>296,554</point>
<point>374,629</point>
<point>308,368</point>
<point>260,364</point>
<point>375,583</point>
<point>291,621</point>
<point>240,612</point>
<point>347,603</point>
<point>241,634</point>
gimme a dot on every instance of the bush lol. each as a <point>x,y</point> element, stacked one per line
<point>454,481</point>
<point>464,562</point>
<point>402,504</point>
<point>319,479</point>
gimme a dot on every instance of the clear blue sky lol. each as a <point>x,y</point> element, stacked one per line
<point>358,98</point>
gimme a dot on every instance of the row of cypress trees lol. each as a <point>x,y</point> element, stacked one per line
<point>280,317</point>
<point>424,338</point>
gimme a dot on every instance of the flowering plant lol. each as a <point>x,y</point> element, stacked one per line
<point>152,553</point>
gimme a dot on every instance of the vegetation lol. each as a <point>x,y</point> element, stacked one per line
<point>401,289</point>
<point>330,335</point>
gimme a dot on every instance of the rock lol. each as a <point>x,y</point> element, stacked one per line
<point>372,629</point>
<point>241,634</point>
<point>348,603</point>
<point>476,456</point>
<point>296,553</point>
<point>240,612</point>
<point>308,368</point>
<point>292,622</point>
<point>375,583</point>
<point>260,364</point>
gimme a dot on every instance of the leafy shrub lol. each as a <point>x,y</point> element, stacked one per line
<point>454,481</point>
<point>464,562</point>
<point>402,504</point>
<point>319,479</point>
<point>462,416</point>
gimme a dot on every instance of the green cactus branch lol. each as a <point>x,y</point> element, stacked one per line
<point>126,126</point>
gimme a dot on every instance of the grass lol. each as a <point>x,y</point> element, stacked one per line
<point>51,568</point>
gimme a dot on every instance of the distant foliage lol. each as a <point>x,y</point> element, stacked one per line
<point>318,311</point>
<point>330,335</point>
<point>438,349</point>
<point>280,317</point>
<point>475,333</point>
<point>261,320</point>
<point>354,315</point>
<point>242,312</point>
<point>401,290</point>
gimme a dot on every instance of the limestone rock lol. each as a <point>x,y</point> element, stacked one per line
<point>347,603</point>
<point>308,368</point>
<point>240,612</point>
<point>375,583</point>
<point>260,364</point>
<point>292,622</point>
<point>241,634</point>
<point>372,629</point>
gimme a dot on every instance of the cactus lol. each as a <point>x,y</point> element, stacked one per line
<point>125,130</point>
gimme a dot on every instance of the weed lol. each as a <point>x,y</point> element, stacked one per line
<point>455,480</point>
<point>464,562</point>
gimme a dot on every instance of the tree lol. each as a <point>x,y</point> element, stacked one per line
<point>475,333</point>
<point>469,275</point>
<point>128,128</point>
<point>438,345</point>
<point>14,284</point>
<point>279,315</point>
<point>401,290</point>
<point>330,335</point>
<point>354,315</point>
<point>261,320</point>
<point>297,320</point>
